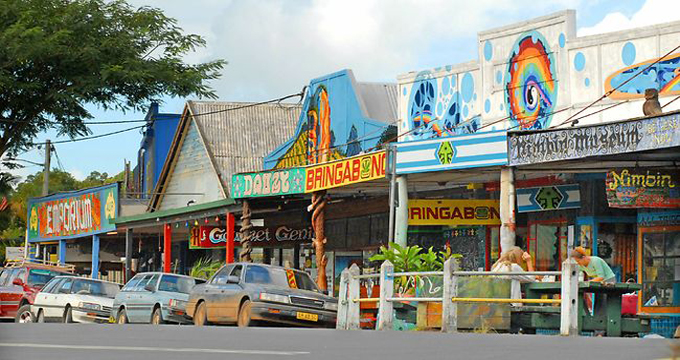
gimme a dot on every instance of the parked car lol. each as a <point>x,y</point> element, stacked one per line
<point>74,299</point>
<point>154,298</point>
<point>20,282</point>
<point>242,293</point>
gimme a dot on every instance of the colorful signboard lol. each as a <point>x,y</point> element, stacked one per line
<point>658,218</point>
<point>73,214</point>
<point>345,172</point>
<point>455,152</point>
<point>207,237</point>
<point>616,138</point>
<point>454,212</point>
<point>545,198</point>
<point>269,183</point>
<point>639,188</point>
<point>309,179</point>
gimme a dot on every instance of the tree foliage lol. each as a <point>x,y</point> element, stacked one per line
<point>60,55</point>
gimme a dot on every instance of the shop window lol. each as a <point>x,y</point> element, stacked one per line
<point>547,243</point>
<point>379,227</point>
<point>358,231</point>
<point>660,267</point>
<point>336,233</point>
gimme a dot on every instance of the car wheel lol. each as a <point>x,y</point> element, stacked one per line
<point>41,316</point>
<point>122,317</point>
<point>244,314</point>
<point>157,317</point>
<point>24,315</point>
<point>68,316</point>
<point>201,315</point>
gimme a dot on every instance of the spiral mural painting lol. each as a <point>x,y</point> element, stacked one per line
<point>530,88</point>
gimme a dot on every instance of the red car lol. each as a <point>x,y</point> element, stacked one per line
<point>20,282</point>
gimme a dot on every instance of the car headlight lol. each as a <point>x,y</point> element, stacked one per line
<point>174,303</point>
<point>89,306</point>
<point>274,298</point>
<point>333,306</point>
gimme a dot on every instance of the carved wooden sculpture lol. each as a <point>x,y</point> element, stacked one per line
<point>246,226</point>
<point>318,209</point>
<point>651,105</point>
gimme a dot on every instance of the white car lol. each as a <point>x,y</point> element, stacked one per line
<point>73,299</point>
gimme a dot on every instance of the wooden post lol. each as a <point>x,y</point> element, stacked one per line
<point>507,208</point>
<point>450,290</point>
<point>353,308</point>
<point>128,254</point>
<point>569,307</point>
<point>246,226</point>
<point>343,301</point>
<point>318,209</point>
<point>385,309</point>
<point>167,247</point>
<point>231,230</point>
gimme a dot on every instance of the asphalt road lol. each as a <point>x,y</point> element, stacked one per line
<point>170,342</point>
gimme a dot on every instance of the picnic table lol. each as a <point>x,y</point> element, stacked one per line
<point>606,314</point>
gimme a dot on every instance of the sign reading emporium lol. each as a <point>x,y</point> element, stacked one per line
<point>615,138</point>
<point>312,178</point>
<point>453,212</point>
<point>74,214</point>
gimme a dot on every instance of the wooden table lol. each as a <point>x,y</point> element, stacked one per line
<point>607,317</point>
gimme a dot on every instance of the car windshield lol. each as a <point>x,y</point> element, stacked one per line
<point>40,277</point>
<point>95,288</point>
<point>280,277</point>
<point>176,284</point>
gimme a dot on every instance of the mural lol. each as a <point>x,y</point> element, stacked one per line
<point>663,76</point>
<point>434,107</point>
<point>530,86</point>
<point>332,125</point>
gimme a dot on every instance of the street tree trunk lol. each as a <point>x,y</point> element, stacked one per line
<point>318,209</point>
<point>246,235</point>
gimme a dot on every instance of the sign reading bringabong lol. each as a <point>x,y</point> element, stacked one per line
<point>453,212</point>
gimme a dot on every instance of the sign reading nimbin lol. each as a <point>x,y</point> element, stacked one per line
<point>79,213</point>
<point>639,188</point>
<point>453,212</point>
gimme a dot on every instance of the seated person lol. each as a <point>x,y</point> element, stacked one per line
<point>510,261</point>
<point>597,269</point>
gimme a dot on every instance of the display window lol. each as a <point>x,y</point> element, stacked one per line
<point>547,243</point>
<point>659,269</point>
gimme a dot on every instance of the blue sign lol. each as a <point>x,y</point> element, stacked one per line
<point>545,198</point>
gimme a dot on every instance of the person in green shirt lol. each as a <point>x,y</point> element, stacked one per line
<point>597,269</point>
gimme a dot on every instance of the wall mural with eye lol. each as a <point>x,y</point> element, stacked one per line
<point>530,86</point>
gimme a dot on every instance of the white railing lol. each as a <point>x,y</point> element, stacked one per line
<point>349,312</point>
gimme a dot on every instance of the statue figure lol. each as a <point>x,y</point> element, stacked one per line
<point>651,105</point>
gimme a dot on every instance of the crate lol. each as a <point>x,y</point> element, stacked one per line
<point>665,326</point>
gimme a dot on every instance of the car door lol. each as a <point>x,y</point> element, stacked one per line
<point>14,293</point>
<point>45,298</point>
<point>5,283</point>
<point>134,299</point>
<point>146,299</point>
<point>125,294</point>
<point>211,291</point>
<point>223,296</point>
<point>57,304</point>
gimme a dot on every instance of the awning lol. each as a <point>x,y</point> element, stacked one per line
<point>193,212</point>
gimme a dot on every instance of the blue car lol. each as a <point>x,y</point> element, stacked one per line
<point>155,298</point>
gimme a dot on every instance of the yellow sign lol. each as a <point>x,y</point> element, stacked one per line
<point>345,172</point>
<point>453,212</point>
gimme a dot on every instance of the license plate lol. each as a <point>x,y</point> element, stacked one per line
<point>307,316</point>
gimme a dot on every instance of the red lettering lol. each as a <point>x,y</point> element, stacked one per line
<point>356,169</point>
<point>415,213</point>
<point>493,213</point>
<point>456,214</point>
<point>347,176</point>
<point>431,213</point>
<point>329,179</point>
<point>469,213</point>
<point>338,173</point>
<point>310,180</point>
<point>318,182</point>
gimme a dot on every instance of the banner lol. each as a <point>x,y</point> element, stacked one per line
<point>544,198</point>
<point>639,188</point>
<point>453,212</point>
<point>345,172</point>
<point>73,214</point>
<point>208,237</point>
<point>269,183</point>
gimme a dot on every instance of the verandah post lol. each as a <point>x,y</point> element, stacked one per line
<point>450,290</point>
<point>385,308</point>
<point>343,301</point>
<point>353,307</point>
<point>569,306</point>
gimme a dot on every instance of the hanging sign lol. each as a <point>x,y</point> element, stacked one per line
<point>658,218</point>
<point>207,237</point>
<point>638,188</point>
<point>345,172</point>
<point>546,198</point>
<point>73,214</point>
<point>268,183</point>
<point>453,212</point>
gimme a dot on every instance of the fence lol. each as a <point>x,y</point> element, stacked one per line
<point>349,312</point>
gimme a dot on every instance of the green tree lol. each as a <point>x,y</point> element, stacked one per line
<point>60,55</point>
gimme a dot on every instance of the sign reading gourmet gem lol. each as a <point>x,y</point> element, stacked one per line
<point>453,212</point>
<point>639,188</point>
<point>544,198</point>
<point>454,152</point>
<point>73,214</point>
<point>269,183</point>
<point>345,172</point>
<point>615,138</point>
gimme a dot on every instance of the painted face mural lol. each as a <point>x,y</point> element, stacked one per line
<point>530,89</point>
<point>319,127</point>
<point>663,76</point>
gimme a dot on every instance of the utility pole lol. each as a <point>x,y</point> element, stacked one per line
<point>46,170</point>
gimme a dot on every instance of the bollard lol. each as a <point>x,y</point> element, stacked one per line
<point>450,290</point>
<point>385,308</point>
<point>353,307</point>
<point>569,309</point>
<point>343,301</point>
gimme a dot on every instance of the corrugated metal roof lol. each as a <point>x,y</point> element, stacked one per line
<point>380,99</point>
<point>239,139</point>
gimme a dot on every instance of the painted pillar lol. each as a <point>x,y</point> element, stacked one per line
<point>95,257</point>
<point>62,251</point>
<point>246,235</point>
<point>318,209</point>
<point>128,254</point>
<point>401,212</point>
<point>167,247</point>
<point>507,208</point>
<point>231,231</point>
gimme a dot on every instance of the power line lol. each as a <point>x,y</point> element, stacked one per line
<point>91,137</point>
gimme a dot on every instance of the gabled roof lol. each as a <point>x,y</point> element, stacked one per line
<point>237,136</point>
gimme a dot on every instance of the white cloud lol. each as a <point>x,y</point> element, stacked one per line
<point>652,12</point>
<point>78,174</point>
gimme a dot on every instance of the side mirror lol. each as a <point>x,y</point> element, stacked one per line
<point>18,282</point>
<point>149,287</point>
<point>231,279</point>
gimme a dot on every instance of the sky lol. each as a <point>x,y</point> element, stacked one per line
<point>274,47</point>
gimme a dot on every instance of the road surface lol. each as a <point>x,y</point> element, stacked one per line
<point>170,342</point>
